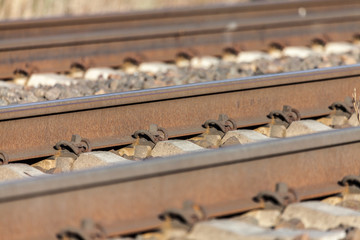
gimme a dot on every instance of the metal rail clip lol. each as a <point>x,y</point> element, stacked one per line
<point>73,148</point>
<point>152,136</point>
<point>220,126</point>
<point>286,116</point>
<point>4,158</point>
<point>279,199</point>
<point>88,231</point>
<point>352,183</point>
<point>345,108</point>
<point>185,217</point>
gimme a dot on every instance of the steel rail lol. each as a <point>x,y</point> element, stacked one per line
<point>146,36</point>
<point>128,198</point>
<point>32,130</point>
<point>72,24</point>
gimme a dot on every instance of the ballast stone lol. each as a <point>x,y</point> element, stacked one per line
<point>251,56</point>
<point>305,127</point>
<point>352,196</point>
<point>339,120</point>
<point>142,151</point>
<point>45,164</point>
<point>49,79</point>
<point>64,164</point>
<point>332,200</point>
<point>277,131</point>
<point>298,51</point>
<point>353,120</point>
<point>10,85</point>
<point>244,136</point>
<point>97,159</point>
<point>94,74</point>
<point>237,230</point>
<point>18,171</point>
<point>286,233</point>
<point>322,216</point>
<point>156,67</point>
<point>334,121</point>
<point>264,217</point>
<point>225,229</point>
<point>275,52</point>
<point>204,62</point>
<point>339,48</point>
<point>173,147</point>
<point>207,140</point>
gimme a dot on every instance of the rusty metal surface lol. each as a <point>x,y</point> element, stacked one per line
<point>56,46</point>
<point>70,24</point>
<point>110,120</point>
<point>129,198</point>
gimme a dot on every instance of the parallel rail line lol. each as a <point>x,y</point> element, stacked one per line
<point>54,45</point>
<point>128,199</point>
<point>110,120</point>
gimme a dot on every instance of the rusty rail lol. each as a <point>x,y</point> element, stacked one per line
<point>223,181</point>
<point>57,44</point>
<point>110,120</point>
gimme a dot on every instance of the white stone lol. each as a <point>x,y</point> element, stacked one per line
<point>98,158</point>
<point>245,136</point>
<point>182,62</point>
<point>298,51</point>
<point>339,47</point>
<point>45,164</point>
<point>352,196</point>
<point>251,56</point>
<point>204,62</point>
<point>225,229</point>
<point>18,171</point>
<point>277,131</point>
<point>275,53</point>
<point>155,67</point>
<point>353,120</point>
<point>173,147</point>
<point>319,49</point>
<point>264,217</point>
<point>237,230</point>
<point>130,68</point>
<point>305,127</point>
<point>339,120</point>
<point>7,84</point>
<point>49,79</point>
<point>64,164</point>
<point>22,80</point>
<point>285,233</point>
<point>142,151</point>
<point>319,215</point>
<point>228,57</point>
<point>104,73</point>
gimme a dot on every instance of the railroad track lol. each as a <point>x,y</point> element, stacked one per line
<point>54,200</point>
<point>127,199</point>
<point>110,120</point>
<point>219,178</point>
<point>57,45</point>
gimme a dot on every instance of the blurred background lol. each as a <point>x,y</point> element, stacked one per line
<point>25,9</point>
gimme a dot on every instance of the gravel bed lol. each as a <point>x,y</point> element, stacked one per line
<point>178,76</point>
